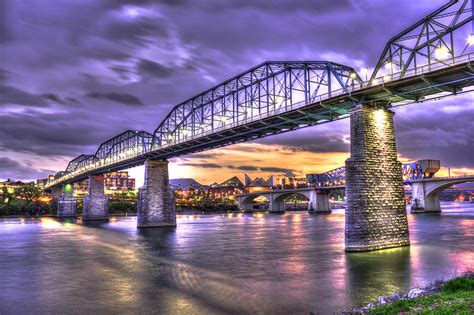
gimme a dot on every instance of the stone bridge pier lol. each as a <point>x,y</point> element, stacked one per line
<point>56,192</point>
<point>156,202</point>
<point>67,204</point>
<point>376,216</point>
<point>319,202</point>
<point>96,203</point>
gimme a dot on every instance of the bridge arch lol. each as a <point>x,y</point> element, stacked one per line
<point>436,189</point>
<point>246,202</point>
<point>278,202</point>
<point>425,194</point>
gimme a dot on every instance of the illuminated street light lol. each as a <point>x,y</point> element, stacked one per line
<point>470,39</point>
<point>353,75</point>
<point>442,52</point>
<point>279,100</point>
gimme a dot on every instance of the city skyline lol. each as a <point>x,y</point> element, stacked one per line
<point>137,61</point>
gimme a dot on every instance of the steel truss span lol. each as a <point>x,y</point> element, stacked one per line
<point>336,178</point>
<point>263,91</point>
<point>429,60</point>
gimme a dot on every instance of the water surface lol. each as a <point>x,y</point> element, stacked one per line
<point>236,263</point>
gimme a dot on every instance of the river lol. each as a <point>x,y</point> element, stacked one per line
<point>212,264</point>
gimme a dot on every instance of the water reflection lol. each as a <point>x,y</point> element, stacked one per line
<point>226,263</point>
<point>377,273</point>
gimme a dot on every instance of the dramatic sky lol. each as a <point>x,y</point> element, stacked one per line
<point>75,73</point>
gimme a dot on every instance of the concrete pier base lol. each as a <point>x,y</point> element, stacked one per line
<point>156,202</point>
<point>376,215</point>
<point>319,202</point>
<point>423,202</point>
<point>276,206</point>
<point>67,204</point>
<point>96,203</point>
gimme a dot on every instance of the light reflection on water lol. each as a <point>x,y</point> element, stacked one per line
<point>246,263</point>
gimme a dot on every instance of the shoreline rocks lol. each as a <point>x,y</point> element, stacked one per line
<point>411,294</point>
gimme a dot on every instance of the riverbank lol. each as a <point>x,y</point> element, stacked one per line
<point>441,297</point>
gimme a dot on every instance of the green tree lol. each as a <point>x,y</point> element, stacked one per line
<point>6,196</point>
<point>28,192</point>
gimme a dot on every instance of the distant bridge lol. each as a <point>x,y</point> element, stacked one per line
<point>318,200</point>
<point>425,192</point>
<point>419,175</point>
<point>336,178</point>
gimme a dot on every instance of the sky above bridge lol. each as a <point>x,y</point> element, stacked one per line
<point>75,73</point>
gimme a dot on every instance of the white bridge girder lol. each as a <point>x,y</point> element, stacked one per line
<point>425,193</point>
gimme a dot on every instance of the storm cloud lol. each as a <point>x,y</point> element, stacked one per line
<point>11,169</point>
<point>12,95</point>
<point>123,98</point>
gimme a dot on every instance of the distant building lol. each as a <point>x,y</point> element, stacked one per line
<point>226,190</point>
<point>82,186</point>
<point>114,182</point>
<point>41,183</point>
<point>290,182</point>
<point>119,181</point>
<point>187,190</point>
<point>184,184</point>
<point>258,184</point>
<point>11,185</point>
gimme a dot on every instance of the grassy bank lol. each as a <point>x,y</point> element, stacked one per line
<point>455,296</point>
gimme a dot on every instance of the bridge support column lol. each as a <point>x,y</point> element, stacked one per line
<point>319,202</point>
<point>96,203</point>
<point>67,204</point>
<point>56,192</point>
<point>156,203</point>
<point>423,202</point>
<point>275,205</point>
<point>376,216</point>
<point>243,206</point>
